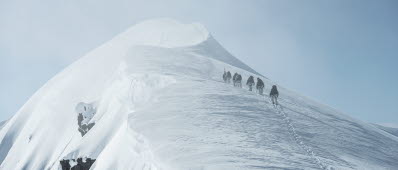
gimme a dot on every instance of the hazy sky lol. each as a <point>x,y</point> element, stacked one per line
<point>343,53</point>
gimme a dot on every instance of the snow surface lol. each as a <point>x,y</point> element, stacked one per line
<point>2,124</point>
<point>161,104</point>
<point>391,130</point>
<point>164,32</point>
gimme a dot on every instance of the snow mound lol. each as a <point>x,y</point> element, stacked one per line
<point>166,33</point>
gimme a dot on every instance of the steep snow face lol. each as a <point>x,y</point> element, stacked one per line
<point>165,107</point>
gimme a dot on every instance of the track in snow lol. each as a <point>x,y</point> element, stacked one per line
<point>298,139</point>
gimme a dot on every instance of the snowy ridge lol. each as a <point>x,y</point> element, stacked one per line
<point>167,33</point>
<point>211,48</point>
<point>160,103</point>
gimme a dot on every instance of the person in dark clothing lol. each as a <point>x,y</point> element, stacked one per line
<point>224,76</point>
<point>250,82</point>
<point>260,86</point>
<point>237,80</point>
<point>274,94</point>
<point>228,77</point>
<point>234,79</point>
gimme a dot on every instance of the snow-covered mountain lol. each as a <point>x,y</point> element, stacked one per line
<point>153,98</point>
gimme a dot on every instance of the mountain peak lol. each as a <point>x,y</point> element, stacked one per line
<point>154,98</point>
<point>164,32</point>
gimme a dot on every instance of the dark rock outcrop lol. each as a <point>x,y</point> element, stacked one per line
<point>83,129</point>
<point>81,165</point>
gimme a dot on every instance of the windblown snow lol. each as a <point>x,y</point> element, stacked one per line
<point>156,96</point>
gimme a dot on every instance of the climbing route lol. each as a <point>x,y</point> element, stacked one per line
<point>293,133</point>
<point>297,138</point>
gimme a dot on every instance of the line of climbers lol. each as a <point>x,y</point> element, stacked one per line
<point>274,94</point>
<point>237,82</point>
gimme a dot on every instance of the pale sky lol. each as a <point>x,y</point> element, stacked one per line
<point>342,53</point>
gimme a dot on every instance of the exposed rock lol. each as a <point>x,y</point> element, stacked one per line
<point>79,164</point>
<point>83,129</point>
<point>65,164</point>
<point>85,113</point>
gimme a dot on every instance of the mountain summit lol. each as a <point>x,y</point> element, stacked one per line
<point>153,98</point>
<point>164,32</point>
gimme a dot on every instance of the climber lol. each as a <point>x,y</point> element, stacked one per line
<point>237,80</point>
<point>228,77</point>
<point>260,86</point>
<point>250,82</point>
<point>224,76</point>
<point>274,95</point>
<point>234,79</point>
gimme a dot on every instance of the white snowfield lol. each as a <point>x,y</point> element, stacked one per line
<point>160,104</point>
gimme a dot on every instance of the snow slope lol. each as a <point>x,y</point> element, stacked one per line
<point>391,130</point>
<point>160,103</point>
<point>2,124</point>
